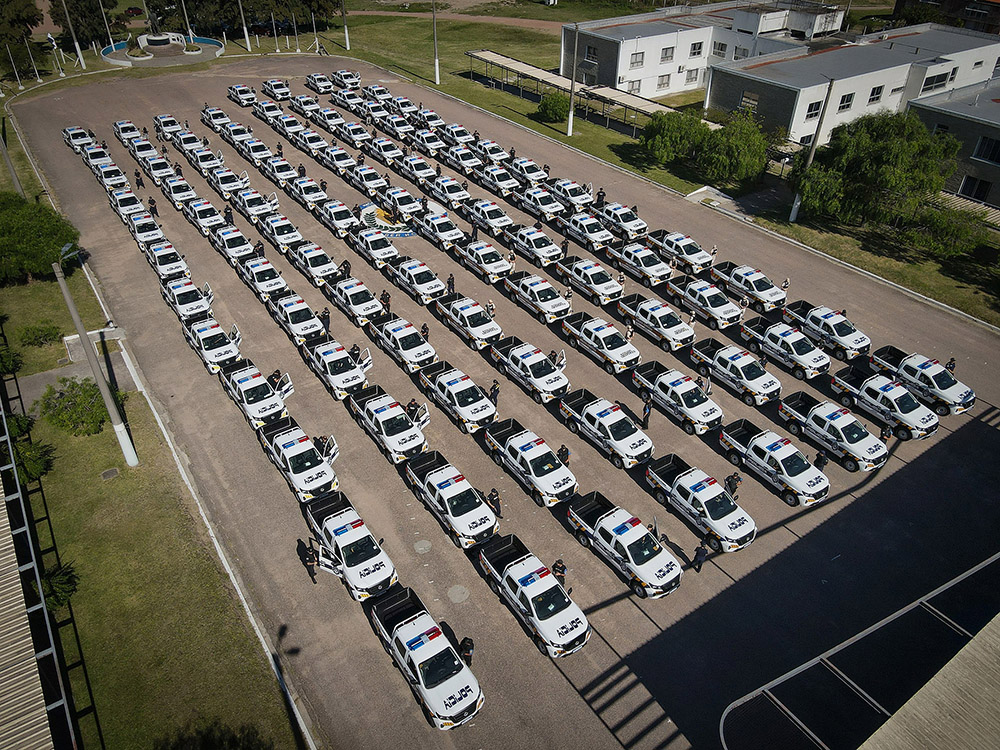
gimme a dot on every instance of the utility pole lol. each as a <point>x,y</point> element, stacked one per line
<point>27,43</point>
<point>106,27</point>
<point>72,33</point>
<point>812,151</point>
<point>343,18</point>
<point>295,30</point>
<point>437,66</point>
<point>187,23</point>
<point>13,67</point>
<point>572,81</point>
<point>243,20</point>
<point>274,28</point>
<point>128,450</point>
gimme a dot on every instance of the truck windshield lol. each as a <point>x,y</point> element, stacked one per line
<point>491,256</point>
<point>445,226</point>
<point>283,229</point>
<point>395,425</point>
<point>906,403</point>
<point>268,274</point>
<point>234,242</point>
<point>622,429</point>
<point>424,277</point>
<point>464,502</point>
<point>844,328</point>
<point>379,243</point>
<point>342,215</point>
<point>694,397</point>
<point>802,346</point>
<point>539,242</point>
<point>319,259</point>
<point>338,366</point>
<point>794,464</point>
<point>257,393</point>
<point>549,603</point>
<point>471,395</point>
<point>627,217</point>
<point>166,259</point>
<point>670,320</point>
<point>644,549</point>
<point>494,214</point>
<point>304,461</point>
<point>301,316</point>
<point>591,227</point>
<point>214,341</point>
<point>716,299</point>
<point>541,368</point>
<point>477,319</point>
<point>648,260</point>
<point>360,551</point>
<point>189,298</point>
<point>440,667</point>
<point>690,248</point>
<point>410,341</point>
<point>762,285</point>
<point>720,506</point>
<point>600,277</point>
<point>753,371</point>
<point>944,380</point>
<point>547,293</point>
<point>614,341</point>
<point>544,464</point>
<point>360,298</point>
<point>853,432</point>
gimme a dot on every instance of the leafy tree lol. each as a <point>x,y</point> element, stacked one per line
<point>19,425</point>
<point>59,584</point>
<point>886,164</point>
<point>31,235</point>
<point>34,460</point>
<point>736,151</point>
<point>87,21</point>
<point>946,232</point>
<point>554,107</point>
<point>10,361</point>
<point>76,406</point>
<point>17,19</point>
<point>39,335</point>
<point>673,136</point>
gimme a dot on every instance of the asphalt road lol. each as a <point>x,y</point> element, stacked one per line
<point>655,674</point>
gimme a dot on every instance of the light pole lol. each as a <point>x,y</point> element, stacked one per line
<point>187,23</point>
<point>27,43</point>
<point>20,86</point>
<point>124,441</point>
<point>274,28</point>
<point>72,33</point>
<point>343,18</point>
<point>107,28</point>
<point>243,20</point>
<point>794,214</point>
<point>437,66</point>
<point>572,81</point>
<point>295,30</point>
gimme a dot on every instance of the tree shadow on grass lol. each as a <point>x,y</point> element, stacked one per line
<point>214,735</point>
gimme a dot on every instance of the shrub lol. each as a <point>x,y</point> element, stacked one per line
<point>34,460</point>
<point>39,335</point>
<point>19,425</point>
<point>554,107</point>
<point>59,584</point>
<point>76,406</point>
<point>10,361</point>
<point>40,232</point>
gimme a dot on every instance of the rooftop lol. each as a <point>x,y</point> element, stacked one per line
<point>977,102</point>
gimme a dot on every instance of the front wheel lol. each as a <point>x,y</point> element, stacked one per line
<point>754,347</point>
<point>583,539</point>
<point>713,324</point>
<point>574,342</point>
<point>543,319</point>
<point>703,370</point>
<point>758,308</point>
<point>799,373</point>
<point>942,410</point>
<point>617,462</point>
<point>790,499</point>
<point>638,589</point>
<point>749,399</point>
<point>497,459</point>
<point>609,368</point>
<point>846,399</point>
<point>688,427</point>
<point>665,345</point>
<point>537,497</point>
<point>903,433</point>
<point>456,541</point>
<point>540,645</point>
<point>536,397</point>
<point>572,426</point>
<point>840,354</point>
<point>715,544</point>
<point>646,282</point>
<point>851,465</point>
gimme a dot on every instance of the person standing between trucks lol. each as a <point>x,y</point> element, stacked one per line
<point>152,208</point>
<point>451,283</point>
<point>564,246</point>
<point>647,408</point>
<point>629,331</point>
<point>309,559</point>
<point>465,649</point>
<point>700,555</point>
<point>559,571</point>
<point>425,332</point>
<point>273,379</point>
<point>475,232</point>
<point>280,150</point>
<point>708,383</point>
<point>491,308</point>
<point>493,500</point>
<point>563,454</point>
<point>344,269</point>
<point>355,351</point>
<point>495,392</point>
<point>601,196</point>
<point>324,318</point>
<point>821,460</point>
<point>227,215</point>
<point>885,433</point>
<point>785,284</point>
<point>138,180</point>
<point>568,294</point>
<point>412,408</point>
<point>512,259</point>
<point>950,366</point>
<point>733,482</point>
<point>621,280</point>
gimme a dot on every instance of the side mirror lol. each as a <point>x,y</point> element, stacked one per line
<point>381,541</point>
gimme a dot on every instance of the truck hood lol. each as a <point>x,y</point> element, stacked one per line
<point>405,440</point>
<point>810,481</point>
<point>774,294</point>
<point>344,380</point>
<point>431,287</point>
<point>705,412</point>
<point>315,477</point>
<point>681,331</point>
<point>484,332</point>
<point>624,353</point>
<point>557,481</point>
<point>367,308</point>
<point>172,268</point>
<point>554,305</point>
<point>733,526</point>
<point>418,353</point>
<point>307,327</point>
<point>564,626</point>
<point>661,570</point>
<point>728,310</point>
<point>454,695</point>
<point>553,382</point>
<point>855,341</point>
<point>634,445</point>
<point>474,522</point>
<point>764,384</point>
<point>223,352</point>
<point>608,289</point>
<point>479,410</point>
<point>265,407</point>
<point>920,418</point>
<point>370,572</point>
<point>959,393</point>
<point>867,449</point>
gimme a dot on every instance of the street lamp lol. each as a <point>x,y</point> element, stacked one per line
<point>572,81</point>
<point>72,33</point>
<point>434,20</point>
<point>243,20</point>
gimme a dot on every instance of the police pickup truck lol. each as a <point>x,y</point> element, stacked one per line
<point>278,171</point>
<point>255,206</point>
<point>531,462</point>
<point>489,151</point>
<point>526,171</point>
<point>571,194</point>
<point>399,200</point>
<point>366,179</point>
<point>429,142</point>
<point>256,151</point>
<point>211,343</point>
<point>829,328</point>
<point>678,395</point>
<point>485,214</point>
<point>341,372</point>
<point>415,169</point>
<point>458,396</point>
<point>606,426</point>
<point>186,300</point>
<point>641,262</point>
<point>533,370</point>
<point>262,277</point>
<point>295,317</point>
<point>701,501</point>
<point>347,79</point>
<point>307,193</point>
<point>537,295</point>
<point>319,83</point>
<point>205,161</point>
<point>401,341</point>
<point>622,221</point>
<point>927,378</point>
<point>383,150</point>
<point>483,259</point>
<point>398,127</point>
<point>462,159</point>
<point>775,460</point>
<point>125,203</point>
<point>280,232</point>
<point>337,159</point>
<point>235,134</point>
<point>742,280</point>
<point>327,118</point>
<point>833,428</point>
<point>203,216</point>
<point>494,177</point>
<point>313,262</point>
<point>449,191</point>
<point>249,389</point>
<point>457,505</point>
<point>538,202</point>
<point>557,625</point>
<point>887,400</point>
<point>347,548</point>
<point>586,230</point>
<point>382,417</point>
<point>590,278</point>
<point>655,319</point>
<point>304,105</point>
<point>438,229</point>
<point>469,320</point>
<point>232,244</point>
<point>705,300</point>
<point>787,345</point>
<point>226,182</point>
<point>374,246</point>
<point>626,544</point>
<point>145,230</point>
<point>445,688</point>
<point>241,94</point>
<point>676,245</point>
<point>736,368</point>
<point>306,467</point>
<point>532,243</point>
<point>414,277</point>
<point>166,262</point>
<point>178,191</point>
<point>602,341</point>
<point>338,218</point>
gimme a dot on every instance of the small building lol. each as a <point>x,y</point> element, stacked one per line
<point>981,15</point>
<point>670,50</point>
<point>972,115</point>
<point>878,71</point>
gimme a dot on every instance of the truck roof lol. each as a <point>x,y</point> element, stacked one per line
<point>425,464</point>
<point>327,505</point>
<point>590,508</point>
<point>396,607</point>
<point>503,551</point>
<point>667,468</point>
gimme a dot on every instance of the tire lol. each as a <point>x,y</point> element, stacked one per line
<point>903,433</point>
<point>688,427</point>
<point>498,459</point>
<point>665,345</point>
<point>758,308</point>
<point>735,458</point>
<point>790,500</point>
<point>748,399</point>
<point>463,428</point>
<point>617,462</point>
<point>799,373</point>
<point>846,399</point>
<point>540,645</point>
<point>572,426</point>
<point>722,286</point>
<point>649,285</point>
<point>851,465</point>
<point>596,299</point>
<point>714,544</point>
<point>541,317</point>
<point>583,539</point>
<point>609,368</point>
<point>638,589</point>
<point>644,394</point>
<point>537,497</point>
<point>455,540</point>
<point>703,370</point>
<point>794,428</point>
<point>713,324</point>
<point>661,498</point>
<point>494,586</point>
<point>942,410</point>
<point>574,342</point>
<point>753,346</point>
<point>486,278</point>
<point>536,397</point>
<point>840,354</point>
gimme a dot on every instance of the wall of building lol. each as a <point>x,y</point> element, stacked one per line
<point>975,16</point>
<point>775,104</point>
<point>603,72</point>
<point>679,68</point>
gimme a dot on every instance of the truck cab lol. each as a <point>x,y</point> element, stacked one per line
<point>262,277</point>
<point>306,467</point>
<point>375,246</point>
<point>539,202</point>
<point>830,328</point>
<point>526,171</point>
<point>927,378</point>
<point>886,399</point>
<point>678,395</point>
<point>533,244</point>
<point>657,320</point>
<point>278,170</point>
<point>458,395</point>
<point>226,182</point>
<point>248,388</point>
<point>429,142</point>
<point>280,232</point>
<point>166,262</point>
<point>534,371</point>
<point>337,159</point>
<point>586,230</point>
<point>341,373</point>
<point>452,499</point>
<point>606,426</point>
<point>498,179</point>
<point>307,192</point>
<point>750,282</point>
<point>187,300</point>
<point>530,460</point>
<point>255,206</point>
<point>215,118</point>
<point>414,168</point>
<point>338,218</point>
<point>489,151</point>
<point>449,191</point>
<point>415,277</point>
<point>203,215</point>
<point>211,343</point>
<point>256,151</point>
<point>591,278</point>
<point>571,194</point>
<point>401,341</point>
<point>682,248</point>
<point>538,295</point>
<point>314,263</point>
<point>292,313</point>
<point>399,437</point>
<point>622,221</point>
<point>483,259</point>
<point>178,191</point>
<point>835,429</point>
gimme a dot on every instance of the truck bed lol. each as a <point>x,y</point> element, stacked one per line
<point>853,377</point>
<point>568,262</point>
<point>276,297</point>
<point>365,395</point>
<point>800,308</point>
<point>742,431</point>
<point>397,606</point>
<point>504,345</point>
<point>651,370</point>
<point>442,302</point>
<point>278,426</point>
<point>502,551</point>
<point>379,320</point>
<point>502,430</point>
<point>324,506</point>
<point>237,366</point>
<point>399,260</point>
<point>577,320</point>
<point>632,301</point>
<point>433,370</point>
<point>590,508</point>
<point>680,282</point>
<point>515,278</point>
<point>890,356</point>
<point>578,400</point>
<point>725,268</point>
<point>758,325</point>
<point>426,463</point>
<point>708,348</point>
<point>667,468</point>
<point>801,403</point>
<point>511,230</point>
<point>657,235</point>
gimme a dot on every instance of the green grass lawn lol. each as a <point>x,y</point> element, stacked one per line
<point>163,636</point>
<point>565,10</point>
<point>37,301</point>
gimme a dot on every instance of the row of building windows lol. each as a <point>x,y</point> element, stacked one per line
<point>663,82</point>
<point>638,59</point>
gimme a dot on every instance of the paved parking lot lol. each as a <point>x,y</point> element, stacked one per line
<point>655,674</point>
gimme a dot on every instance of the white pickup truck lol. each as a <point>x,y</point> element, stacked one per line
<point>705,300</point>
<point>401,341</point>
<point>622,221</point>
<point>374,246</point>
<point>307,468</point>
<point>415,169</point>
<point>606,426</point>
<point>590,277</point>
<point>355,299</point>
<point>532,243</point>
<point>537,294</point>
<point>337,159</point>
<point>533,370</point>
<point>166,262</point>
<point>414,277</point>
<point>186,300</point>
<point>486,215</point>
<point>494,177</point>
<point>531,462</point>
<point>586,230</point>
<point>458,396</point>
<point>255,206</point>
<point>678,395</point>
<point>571,194</point>
<point>556,624</point>
<point>262,277</point>
<point>468,319</point>
<point>680,247</point>
<point>483,259</point>
<point>341,371</point>
<point>835,429</point>
<point>294,315</point>
<point>438,229</point>
<point>775,460</point>
<point>448,190</point>
<point>211,343</point>
<point>887,400</point>
<point>656,320</point>
<point>527,171</point>
<point>398,436</point>
<point>232,244</point>
<point>445,688</point>
<point>641,262</point>
<point>736,368</point>
<point>252,393</point>
<point>538,202</point>
<point>829,328</point>
<point>702,501</point>
<point>338,218</point>
<point>602,341</point>
<point>457,505</point>
<point>928,378</point>
<point>742,280</point>
<point>787,345</point>
<point>626,544</point>
<point>178,191</point>
<point>347,548</point>
<point>312,262</point>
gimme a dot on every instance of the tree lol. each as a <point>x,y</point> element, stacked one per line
<point>31,235</point>
<point>17,19</point>
<point>59,584</point>
<point>76,406</point>
<point>554,107</point>
<point>34,460</point>
<point>945,232</point>
<point>10,361</point>
<point>673,136</point>
<point>19,425</point>
<point>735,152</point>
<point>87,21</point>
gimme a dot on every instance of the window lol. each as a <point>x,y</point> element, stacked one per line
<point>740,52</point>
<point>719,49</point>
<point>663,82</point>
<point>749,101</point>
<point>897,89</point>
<point>988,149</point>
<point>666,54</point>
<point>977,64</point>
<point>876,95</point>
<point>939,128</point>
<point>637,60</point>
<point>951,76</point>
<point>846,101</point>
<point>633,87</point>
<point>695,50</point>
<point>806,139</point>
<point>591,53</point>
<point>812,111</point>
<point>933,83</point>
<point>691,76</point>
<point>975,189</point>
